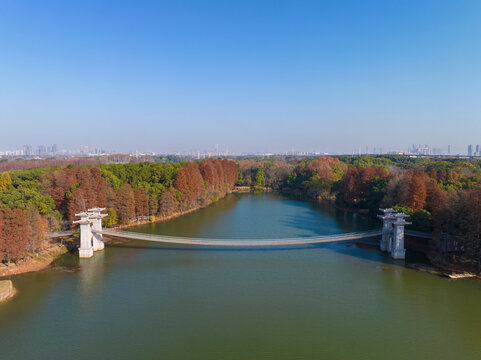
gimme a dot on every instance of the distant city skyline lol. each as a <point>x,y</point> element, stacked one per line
<point>221,149</point>
<point>256,76</point>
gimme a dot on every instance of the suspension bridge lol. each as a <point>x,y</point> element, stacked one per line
<point>91,236</point>
<point>241,242</point>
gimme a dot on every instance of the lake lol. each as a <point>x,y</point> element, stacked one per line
<point>139,300</point>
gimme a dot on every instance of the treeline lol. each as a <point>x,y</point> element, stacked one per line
<point>38,200</point>
<point>442,196</point>
<point>23,164</point>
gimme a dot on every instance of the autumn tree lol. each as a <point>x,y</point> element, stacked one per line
<point>363,187</point>
<point>39,229</point>
<point>14,234</point>
<point>191,185</point>
<point>168,202</point>
<point>230,173</point>
<point>347,188</point>
<point>437,202</point>
<point>88,184</point>
<point>76,204</point>
<point>141,202</point>
<point>182,185</point>
<point>56,184</point>
<point>153,204</point>
<point>99,186</point>
<point>3,253</point>
<point>463,221</point>
<point>125,203</point>
<point>5,181</point>
<point>209,175</point>
<point>416,190</point>
<point>220,176</point>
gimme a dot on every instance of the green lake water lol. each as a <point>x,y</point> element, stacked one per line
<point>139,300</point>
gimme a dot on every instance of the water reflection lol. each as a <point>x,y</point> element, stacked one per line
<point>91,272</point>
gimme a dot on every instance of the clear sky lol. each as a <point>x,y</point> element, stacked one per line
<point>254,75</point>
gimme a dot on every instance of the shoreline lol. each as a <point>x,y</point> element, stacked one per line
<point>437,262</point>
<point>47,257</point>
<point>169,217</point>
<point>236,190</point>
<point>42,262</point>
<point>441,267</point>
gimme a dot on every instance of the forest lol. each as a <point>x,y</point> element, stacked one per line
<point>39,200</point>
<point>442,196</point>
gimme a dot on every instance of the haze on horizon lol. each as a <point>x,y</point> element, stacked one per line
<point>252,75</point>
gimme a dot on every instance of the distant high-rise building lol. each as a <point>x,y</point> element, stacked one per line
<point>449,149</point>
<point>421,150</point>
<point>470,150</point>
<point>54,148</point>
<point>41,150</point>
<point>27,150</point>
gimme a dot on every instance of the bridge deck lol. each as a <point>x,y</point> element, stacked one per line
<point>242,242</point>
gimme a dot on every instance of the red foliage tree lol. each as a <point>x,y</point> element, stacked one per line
<point>141,202</point>
<point>190,183</point>
<point>99,186</point>
<point>76,204</point>
<point>356,183</point>
<point>442,175</point>
<point>87,184</point>
<point>437,203</point>
<point>196,184</point>
<point>182,185</point>
<point>230,173</point>
<point>39,227</point>
<point>153,204</point>
<point>125,203</point>
<point>14,233</point>
<point>57,184</point>
<point>168,202</point>
<point>347,188</point>
<point>416,191</point>
<point>220,175</point>
<point>209,174</point>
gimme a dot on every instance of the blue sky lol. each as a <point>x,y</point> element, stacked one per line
<point>251,75</point>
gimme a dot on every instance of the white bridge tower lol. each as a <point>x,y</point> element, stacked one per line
<point>387,229</point>
<point>90,232</point>
<point>392,239</point>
